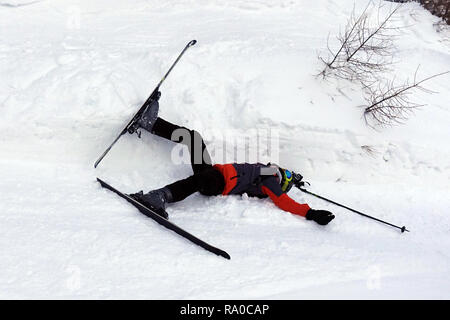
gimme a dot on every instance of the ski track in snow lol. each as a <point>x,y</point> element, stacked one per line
<point>73,73</point>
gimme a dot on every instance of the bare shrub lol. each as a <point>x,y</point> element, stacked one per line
<point>388,103</point>
<point>365,48</point>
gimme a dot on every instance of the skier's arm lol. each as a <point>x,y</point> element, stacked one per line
<point>272,188</point>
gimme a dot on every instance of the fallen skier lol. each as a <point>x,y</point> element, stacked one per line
<point>257,180</point>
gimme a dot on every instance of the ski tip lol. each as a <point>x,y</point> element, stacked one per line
<point>225,255</point>
<point>97,162</point>
<point>192,42</point>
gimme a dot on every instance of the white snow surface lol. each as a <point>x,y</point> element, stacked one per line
<point>73,73</point>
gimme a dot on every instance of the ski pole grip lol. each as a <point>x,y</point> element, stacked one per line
<point>191,43</point>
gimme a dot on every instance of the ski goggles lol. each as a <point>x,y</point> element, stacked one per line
<point>286,184</point>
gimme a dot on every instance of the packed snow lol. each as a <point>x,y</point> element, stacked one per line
<point>74,72</point>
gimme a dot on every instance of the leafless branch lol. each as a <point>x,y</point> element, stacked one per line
<point>365,49</point>
<point>389,104</point>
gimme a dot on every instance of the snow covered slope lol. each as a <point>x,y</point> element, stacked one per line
<point>73,72</point>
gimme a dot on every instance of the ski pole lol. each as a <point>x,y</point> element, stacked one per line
<point>403,229</point>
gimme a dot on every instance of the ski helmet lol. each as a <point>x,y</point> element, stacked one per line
<point>285,177</point>
<point>287,180</point>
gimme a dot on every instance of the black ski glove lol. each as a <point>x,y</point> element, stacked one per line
<point>322,217</point>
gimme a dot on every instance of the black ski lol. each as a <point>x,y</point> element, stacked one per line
<point>130,127</point>
<point>166,223</point>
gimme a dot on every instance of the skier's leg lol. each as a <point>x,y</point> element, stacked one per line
<point>209,182</point>
<point>164,128</point>
<point>200,158</point>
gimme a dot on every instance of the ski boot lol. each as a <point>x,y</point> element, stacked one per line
<point>148,118</point>
<point>156,200</point>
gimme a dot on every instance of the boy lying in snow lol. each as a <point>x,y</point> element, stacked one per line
<point>257,180</point>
